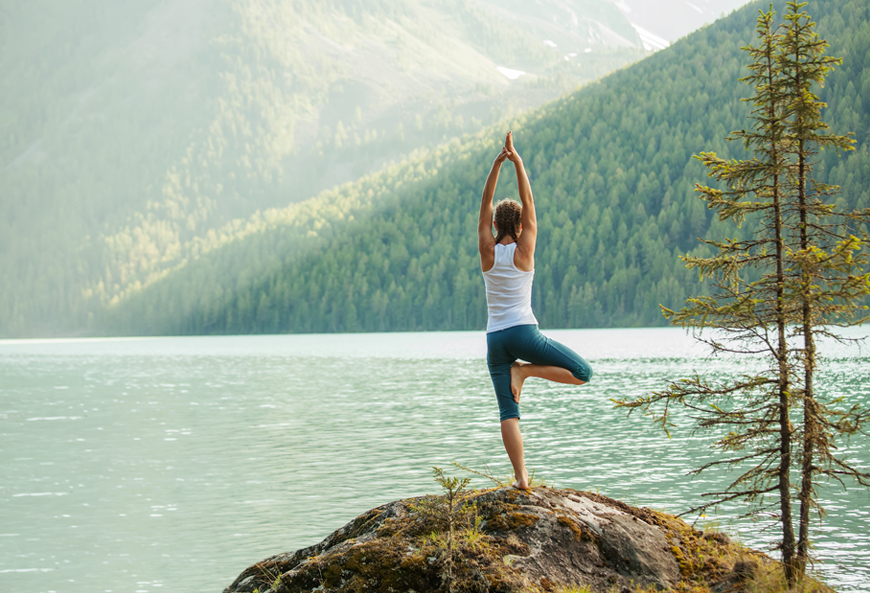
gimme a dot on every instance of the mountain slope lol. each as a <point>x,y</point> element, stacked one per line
<point>613,175</point>
<point>132,132</point>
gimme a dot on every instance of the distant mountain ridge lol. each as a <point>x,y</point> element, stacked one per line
<point>134,133</point>
<point>613,175</point>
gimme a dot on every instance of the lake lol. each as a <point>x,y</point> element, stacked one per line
<point>171,464</point>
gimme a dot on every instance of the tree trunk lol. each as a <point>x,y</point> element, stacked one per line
<point>788,545</point>
<point>810,433</point>
<point>785,429</point>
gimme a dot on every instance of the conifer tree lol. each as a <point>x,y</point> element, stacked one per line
<point>801,269</point>
<point>827,258</point>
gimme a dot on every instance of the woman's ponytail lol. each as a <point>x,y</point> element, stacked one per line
<point>507,217</point>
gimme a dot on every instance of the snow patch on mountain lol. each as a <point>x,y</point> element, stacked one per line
<point>509,72</point>
<point>651,42</point>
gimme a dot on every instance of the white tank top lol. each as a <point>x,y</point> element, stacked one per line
<point>508,291</point>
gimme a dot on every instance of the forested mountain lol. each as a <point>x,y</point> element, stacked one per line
<point>613,175</point>
<point>133,133</point>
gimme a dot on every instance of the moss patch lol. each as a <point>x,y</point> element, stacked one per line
<point>511,521</point>
<point>377,565</point>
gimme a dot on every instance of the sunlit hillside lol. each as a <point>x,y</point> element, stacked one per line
<point>131,132</point>
<point>613,173</point>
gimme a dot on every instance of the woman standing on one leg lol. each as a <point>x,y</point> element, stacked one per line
<point>508,264</point>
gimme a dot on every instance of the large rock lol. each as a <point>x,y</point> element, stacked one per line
<point>539,540</point>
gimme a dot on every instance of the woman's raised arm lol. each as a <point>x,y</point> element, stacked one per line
<point>485,240</point>
<point>524,258</point>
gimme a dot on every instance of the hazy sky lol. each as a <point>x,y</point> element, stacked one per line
<point>672,19</point>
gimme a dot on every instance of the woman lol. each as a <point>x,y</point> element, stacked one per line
<point>508,264</point>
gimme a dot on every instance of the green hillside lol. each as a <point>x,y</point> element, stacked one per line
<point>613,175</point>
<point>132,132</point>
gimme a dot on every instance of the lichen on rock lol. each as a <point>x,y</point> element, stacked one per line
<point>506,540</point>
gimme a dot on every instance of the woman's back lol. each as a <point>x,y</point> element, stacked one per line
<point>508,291</point>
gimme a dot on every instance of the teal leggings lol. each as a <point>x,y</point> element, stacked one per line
<point>526,342</point>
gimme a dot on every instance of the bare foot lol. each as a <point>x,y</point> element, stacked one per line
<point>517,379</point>
<point>522,484</point>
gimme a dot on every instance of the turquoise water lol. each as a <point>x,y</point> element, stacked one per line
<point>171,464</point>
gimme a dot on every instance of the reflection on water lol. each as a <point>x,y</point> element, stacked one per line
<point>172,464</point>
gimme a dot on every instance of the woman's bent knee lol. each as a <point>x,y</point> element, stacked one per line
<point>583,372</point>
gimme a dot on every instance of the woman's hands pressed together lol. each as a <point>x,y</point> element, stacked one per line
<point>512,154</point>
<point>508,152</point>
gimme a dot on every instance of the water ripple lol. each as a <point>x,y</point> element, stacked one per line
<point>190,458</point>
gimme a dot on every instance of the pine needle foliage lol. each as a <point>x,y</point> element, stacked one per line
<point>798,276</point>
<point>452,511</point>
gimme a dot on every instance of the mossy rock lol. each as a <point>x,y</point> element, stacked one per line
<point>539,540</point>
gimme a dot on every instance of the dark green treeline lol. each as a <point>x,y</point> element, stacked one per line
<point>613,177</point>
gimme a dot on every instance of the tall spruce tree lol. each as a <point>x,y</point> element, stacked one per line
<point>827,258</point>
<point>798,274</point>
